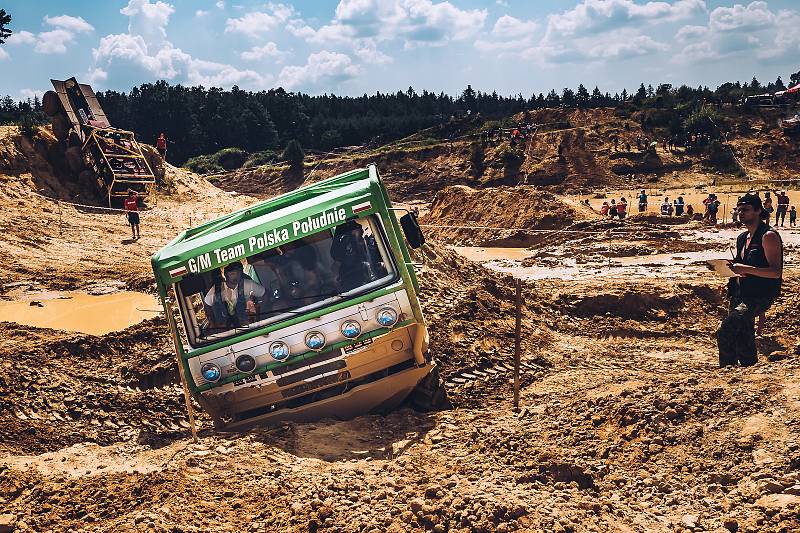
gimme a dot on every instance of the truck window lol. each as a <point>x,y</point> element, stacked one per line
<point>294,278</point>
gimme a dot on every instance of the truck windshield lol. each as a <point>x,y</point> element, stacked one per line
<point>294,278</point>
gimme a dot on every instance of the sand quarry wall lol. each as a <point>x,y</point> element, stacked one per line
<point>483,215</point>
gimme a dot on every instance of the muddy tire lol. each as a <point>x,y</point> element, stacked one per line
<point>51,105</point>
<point>430,394</point>
<point>87,180</point>
<point>74,159</point>
<point>61,126</point>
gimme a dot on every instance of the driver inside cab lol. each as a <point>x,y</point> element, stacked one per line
<point>233,301</point>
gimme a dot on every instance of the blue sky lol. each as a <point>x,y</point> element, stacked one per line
<point>357,46</point>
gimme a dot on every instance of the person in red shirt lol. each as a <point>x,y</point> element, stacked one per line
<point>622,208</point>
<point>132,212</point>
<point>161,146</point>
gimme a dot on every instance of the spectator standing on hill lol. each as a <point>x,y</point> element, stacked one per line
<point>713,208</point>
<point>622,208</point>
<point>666,207</point>
<point>768,208</point>
<point>161,146</point>
<point>604,209</point>
<point>679,206</point>
<point>642,201</point>
<point>131,206</point>
<point>690,210</point>
<point>783,208</point>
<point>792,217</point>
<point>759,265</point>
<point>612,210</point>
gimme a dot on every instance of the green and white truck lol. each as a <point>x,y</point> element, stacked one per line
<point>300,307</point>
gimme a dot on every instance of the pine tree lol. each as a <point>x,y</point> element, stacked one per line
<point>582,96</point>
<point>294,155</point>
<point>5,19</point>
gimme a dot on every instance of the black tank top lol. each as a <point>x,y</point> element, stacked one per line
<point>756,286</point>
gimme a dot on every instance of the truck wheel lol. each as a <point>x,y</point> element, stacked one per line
<point>51,105</point>
<point>430,394</point>
<point>87,179</point>
<point>61,126</point>
<point>74,159</point>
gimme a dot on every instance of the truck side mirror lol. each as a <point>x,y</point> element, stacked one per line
<point>412,230</point>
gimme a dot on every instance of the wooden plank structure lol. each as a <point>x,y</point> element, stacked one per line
<point>114,155</point>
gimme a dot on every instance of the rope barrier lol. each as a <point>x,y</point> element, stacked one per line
<point>526,230</point>
<point>74,204</point>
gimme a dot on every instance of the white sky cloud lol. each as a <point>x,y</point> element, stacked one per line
<point>509,35</point>
<point>260,52</point>
<point>433,44</point>
<point>510,27</point>
<point>753,28</point>
<point>593,16</point>
<point>257,23</point>
<point>146,51</point>
<point>21,37</point>
<point>66,22</point>
<point>323,69</point>
<point>53,42</point>
<point>31,93</point>
<point>414,22</point>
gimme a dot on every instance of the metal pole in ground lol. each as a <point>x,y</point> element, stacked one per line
<point>517,333</point>
<point>186,396</point>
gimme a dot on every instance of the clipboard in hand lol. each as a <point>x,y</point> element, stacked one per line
<point>722,268</point>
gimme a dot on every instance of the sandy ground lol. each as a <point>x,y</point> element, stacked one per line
<point>626,423</point>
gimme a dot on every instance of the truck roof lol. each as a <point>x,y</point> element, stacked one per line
<point>356,188</point>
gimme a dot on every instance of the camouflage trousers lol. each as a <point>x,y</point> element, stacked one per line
<point>736,336</point>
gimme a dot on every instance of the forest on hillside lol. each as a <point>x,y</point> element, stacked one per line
<point>199,121</point>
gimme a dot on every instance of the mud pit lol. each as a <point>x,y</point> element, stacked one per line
<point>80,312</point>
<point>626,422</point>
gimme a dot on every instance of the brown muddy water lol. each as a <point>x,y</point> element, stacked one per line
<point>80,312</point>
<point>565,265</point>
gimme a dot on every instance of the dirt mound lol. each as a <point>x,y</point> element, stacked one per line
<point>61,388</point>
<point>470,313</point>
<point>483,214</point>
<point>598,149</point>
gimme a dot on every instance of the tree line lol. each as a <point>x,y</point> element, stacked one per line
<point>202,121</point>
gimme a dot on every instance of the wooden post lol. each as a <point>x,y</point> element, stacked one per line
<point>517,333</point>
<point>175,339</point>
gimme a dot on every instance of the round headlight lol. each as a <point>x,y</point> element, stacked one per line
<point>245,363</point>
<point>315,340</point>
<point>351,329</point>
<point>279,350</point>
<point>210,372</point>
<point>387,317</point>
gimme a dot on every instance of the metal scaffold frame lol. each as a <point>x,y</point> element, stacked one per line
<point>113,155</point>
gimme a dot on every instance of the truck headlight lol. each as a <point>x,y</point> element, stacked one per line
<point>210,372</point>
<point>315,340</point>
<point>279,350</point>
<point>351,329</point>
<point>387,317</point>
<point>245,363</point>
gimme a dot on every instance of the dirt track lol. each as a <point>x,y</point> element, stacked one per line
<point>627,423</point>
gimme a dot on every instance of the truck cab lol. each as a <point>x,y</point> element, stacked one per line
<point>300,307</point>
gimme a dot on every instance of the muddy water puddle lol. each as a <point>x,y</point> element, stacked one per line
<point>565,266</point>
<point>80,312</point>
